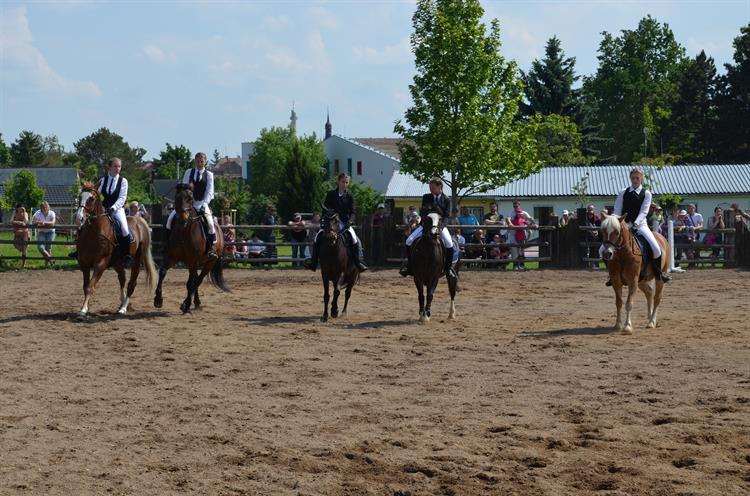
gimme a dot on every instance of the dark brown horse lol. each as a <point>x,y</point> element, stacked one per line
<point>427,257</point>
<point>335,265</point>
<point>187,244</point>
<point>96,245</point>
<point>624,262</point>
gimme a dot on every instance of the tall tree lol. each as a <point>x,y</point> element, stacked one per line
<point>558,141</point>
<point>462,125</point>
<point>268,161</point>
<point>734,103</point>
<point>101,145</point>
<point>694,115</point>
<point>28,149</point>
<point>549,84</point>
<point>22,189</point>
<point>304,182</point>
<point>169,160</point>
<point>53,151</point>
<point>638,70</point>
<point>215,159</point>
<point>6,158</point>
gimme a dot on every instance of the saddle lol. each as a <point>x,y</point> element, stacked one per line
<point>647,255</point>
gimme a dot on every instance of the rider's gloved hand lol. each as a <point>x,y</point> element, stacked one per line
<point>111,210</point>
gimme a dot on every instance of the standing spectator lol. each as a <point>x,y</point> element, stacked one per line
<point>492,218</point>
<point>21,232</point>
<point>230,236</point>
<point>269,219</point>
<point>298,234</point>
<point>378,218</point>
<point>739,215</point>
<point>696,220</point>
<point>681,235</point>
<point>565,218</point>
<point>520,218</point>
<point>467,219</point>
<point>715,222</point>
<point>412,223</point>
<point>44,220</point>
<point>312,227</point>
<point>657,220</point>
<point>593,220</point>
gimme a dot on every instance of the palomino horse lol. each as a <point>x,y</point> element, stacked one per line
<point>335,265</point>
<point>187,244</point>
<point>427,258</point>
<point>96,245</point>
<point>624,262</point>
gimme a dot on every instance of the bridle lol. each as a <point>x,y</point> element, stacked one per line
<point>327,224</point>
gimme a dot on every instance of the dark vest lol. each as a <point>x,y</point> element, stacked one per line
<point>110,198</point>
<point>199,187</point>
<point>631,204</point>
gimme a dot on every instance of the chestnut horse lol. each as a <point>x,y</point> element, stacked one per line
<point>97,243</point>
<point>427,257</point>
<point>187,244</point>
<point>624,262</point>
<point>335,264</point>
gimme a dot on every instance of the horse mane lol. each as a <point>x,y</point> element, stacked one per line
<point>88,186</point>
<point>611,224</point>
<point>183,187</point>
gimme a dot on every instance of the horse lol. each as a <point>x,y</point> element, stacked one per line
<point>187,244</point>
<point>335,264</point>
<point>625,265</point>
<point>427,258</point>
<point>97,242</point>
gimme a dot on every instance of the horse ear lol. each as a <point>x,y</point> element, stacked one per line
<point>623,217</point>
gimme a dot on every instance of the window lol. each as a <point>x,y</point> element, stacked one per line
<point>336,169</point>
<point>359,167</point>
<point>349,166</point>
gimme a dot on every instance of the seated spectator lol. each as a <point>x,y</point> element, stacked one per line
<point>378,218</point>
<point>497,249</point>
<point>475,245</point>
<point>44,219</point>
<point>241,251</point>
<point>565,218</point>
<point>255,247</point>
<point>460,241</point>
<point>467,219</point>
<point>229,236</point>
<point>297,235</point>
<point>715,222</point>
<point>410,213</point>
<point>412,223</point>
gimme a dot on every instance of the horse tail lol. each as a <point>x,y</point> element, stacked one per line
<point>146,258</point>
<point>217,276</point>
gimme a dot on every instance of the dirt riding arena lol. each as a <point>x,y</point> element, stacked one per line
<point>527,393</point>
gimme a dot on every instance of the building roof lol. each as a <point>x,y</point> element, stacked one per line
<point>228,167</point>
<point>605,180</point>
<point>55,181</point>
<point>388,146</point>
<point>368,147</point>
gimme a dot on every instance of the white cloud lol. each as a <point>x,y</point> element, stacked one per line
<point>322,18</point>
<point>24,60</point>
<point>389,54</point>
<point>276,23</point>
<point>156,54</point>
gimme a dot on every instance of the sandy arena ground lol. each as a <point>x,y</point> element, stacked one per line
<point>527,393</point>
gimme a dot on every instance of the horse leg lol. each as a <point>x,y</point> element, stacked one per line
<point>452,285</point>
<point>204,272</point>
<point>657,299</point>
<point>335,302</point>
<point>617,286</point>
<point>123,292</point>
<point>86,295</point>
<point>648,289</point>
<point>185,306</point>
<point>98,271</point>
<point>158,300</point>
<point>430,293</point>
<point>420,296</point>
<point>347,294</point>
<point>632,287</point>
<point>326,297</point>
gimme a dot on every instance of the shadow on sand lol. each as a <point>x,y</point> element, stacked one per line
<point>340,322</point>
<point>574,331</point>
<point>91,318</point>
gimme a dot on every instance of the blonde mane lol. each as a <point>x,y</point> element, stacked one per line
<point>611,224</point>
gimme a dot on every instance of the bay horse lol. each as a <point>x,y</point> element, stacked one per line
<point>625,265</point>
<point>97,244</point>
<point>187,244</point>
<point>427,258</point>
<point>335,264</point>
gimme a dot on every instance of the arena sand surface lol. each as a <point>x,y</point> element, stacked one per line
<point>527,393</point>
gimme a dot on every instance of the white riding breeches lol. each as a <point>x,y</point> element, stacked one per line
<point>121,219</point>
<point>644,231</point>
<point>444,235</point>
<point>206,214</point>
<point>355,239</point>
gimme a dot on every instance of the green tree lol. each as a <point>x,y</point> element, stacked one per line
<point>21,189</point>
<point>215,159</point>
<point>639,69</point>
<point>734,103</point>
<point>268,161</point>
<point>549,84</point>
<point>462,124</point>
<point>304,183</point>
<point>53,151</point>
<point>28,149</point>
<point>102,145</point>
<point>366,198</point>
<point>558,141</point>
<point>694,115</point>
<point>232,194</point>
<point>258,205</point>
<point>6,158</point>
<point>166,164</point>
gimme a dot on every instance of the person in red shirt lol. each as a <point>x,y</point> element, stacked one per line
<point>378,218</point>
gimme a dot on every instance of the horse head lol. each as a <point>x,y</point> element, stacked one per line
<point>183,200</point>
<point>89,203</point>
<point>431,224</point>
<point>613,229</point>
<point>329,223</point>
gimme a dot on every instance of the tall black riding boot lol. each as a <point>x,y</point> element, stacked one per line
<point>657,270</point>
<point>405,269</point>
<point>312,262</point>
<point>210,238</point>
<point>124,248</point>
<point>358,256</point>
<point>448,268</point>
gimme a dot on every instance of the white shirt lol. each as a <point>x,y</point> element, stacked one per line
<point>112,186</point>
<point>697,219</point>
<point>40,217</point>
<point>642,213</point>
<point>209,185</point>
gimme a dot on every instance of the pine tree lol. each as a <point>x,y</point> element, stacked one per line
<point>694,115</point>
<point>549,84</point>
<point>28,149</point>
<point>734,103</point>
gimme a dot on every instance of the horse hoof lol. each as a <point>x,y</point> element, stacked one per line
<point>334,314</point>
<point>185,308</point>
<point>198,308</point>
<point>158,302</point>
<point>81,316</point>
<point>627,330</point>
<point>122,311</point>
<point>324,318</point>
<point>650,325</point>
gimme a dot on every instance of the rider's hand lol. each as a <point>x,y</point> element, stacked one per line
<point>111,210</point>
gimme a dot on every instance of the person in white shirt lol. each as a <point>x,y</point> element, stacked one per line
<point>44,220</point>
<point>202,181</point>
<point>634,202</point>
<point>114,190</point>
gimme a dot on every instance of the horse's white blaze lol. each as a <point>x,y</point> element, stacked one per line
<point>435,222</point>
<point>84,198</point>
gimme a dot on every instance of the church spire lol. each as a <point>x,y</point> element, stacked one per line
<point>293,119</point>
<point>329,127</point>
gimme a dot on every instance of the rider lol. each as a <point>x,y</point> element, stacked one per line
<point>202,181</point>
<point>114,189</point>
<point>342,202</point>
<point>434,201</point>
<point>634,202</point>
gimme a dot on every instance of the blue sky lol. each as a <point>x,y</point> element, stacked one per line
<point>212,74</point>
